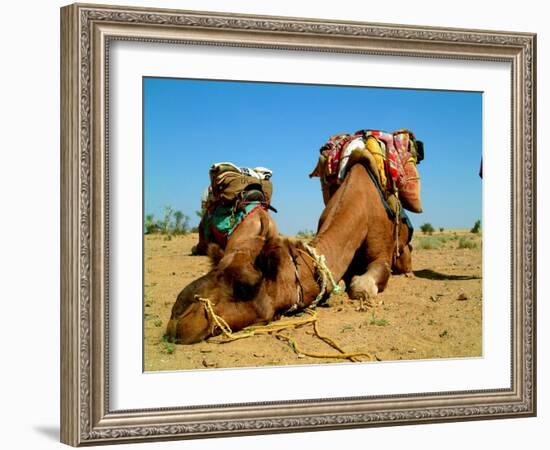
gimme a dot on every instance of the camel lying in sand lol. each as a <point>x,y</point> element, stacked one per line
<point>267,275</point>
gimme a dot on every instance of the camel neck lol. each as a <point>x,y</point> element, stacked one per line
<point>344,225</point>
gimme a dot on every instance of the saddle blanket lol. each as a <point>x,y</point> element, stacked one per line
<point>395,158</point>
<point>228,183</point>
<point>222,220</point>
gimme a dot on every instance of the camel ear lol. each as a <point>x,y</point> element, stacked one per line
<point>317,172</point>
<point>215,253</point>
<point>268,260</point>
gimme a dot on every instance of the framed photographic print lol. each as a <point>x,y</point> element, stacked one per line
<point>277,224</point>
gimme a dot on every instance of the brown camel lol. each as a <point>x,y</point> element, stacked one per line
<point>250,194</point>
<point>267,275</point>
<point>402,258</point>
<point>201,248</point>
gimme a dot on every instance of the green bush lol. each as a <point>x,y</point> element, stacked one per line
<point>305,234</point>
<point>378,322</point>
<point>428,243</point>
<point>476,228</point>
<point>465,242</point>
<point>427,228</point>
<point>150,224</point>
<point>173,222</point>
<point>181,224</point>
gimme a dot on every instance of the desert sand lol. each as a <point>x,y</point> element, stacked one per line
<point>436,313</point>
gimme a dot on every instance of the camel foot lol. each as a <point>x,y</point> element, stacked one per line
<point>364,289</point>
<point>361,306</point>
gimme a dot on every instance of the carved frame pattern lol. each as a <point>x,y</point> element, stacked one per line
<point>86,418</point>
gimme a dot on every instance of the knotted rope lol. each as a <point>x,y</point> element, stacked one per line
<point>325,274</point>
<point>275,329</point>
<point>213,318</point>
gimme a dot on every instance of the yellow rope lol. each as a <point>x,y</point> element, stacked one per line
<point>321,265</point>
<point>276,329</point>
<point>351,356</point>
<point>218,320</point>
<point>272,327</point>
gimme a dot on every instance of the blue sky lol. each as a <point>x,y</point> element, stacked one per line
<point>191,124</point>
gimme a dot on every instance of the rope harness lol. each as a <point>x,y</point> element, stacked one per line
<point>276,328</point>
<point>397,253</point>
<point>324,272</point>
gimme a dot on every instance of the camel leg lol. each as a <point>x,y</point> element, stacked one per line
<point>367,286</point>
<point>201,248</point>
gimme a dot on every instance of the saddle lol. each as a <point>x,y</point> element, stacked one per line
<point>233,194</point>
<point>230,183</point>
<point>391,157</point>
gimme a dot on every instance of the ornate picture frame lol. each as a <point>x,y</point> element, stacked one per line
<point>87,32</point>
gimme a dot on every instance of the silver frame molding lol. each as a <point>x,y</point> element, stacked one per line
<point>86,33</point>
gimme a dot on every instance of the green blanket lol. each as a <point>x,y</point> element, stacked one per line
<point>222,221</point>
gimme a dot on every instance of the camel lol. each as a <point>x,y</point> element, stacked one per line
<point>402,260</point>
<point>266,275</point>
<point>250,194</point>
<point>201,248</point>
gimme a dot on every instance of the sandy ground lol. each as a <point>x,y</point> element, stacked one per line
<point>437,313</point>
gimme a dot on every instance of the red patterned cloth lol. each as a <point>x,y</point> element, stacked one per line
<point>400,161</point>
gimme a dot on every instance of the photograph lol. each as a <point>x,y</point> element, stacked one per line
<point>295,224</point>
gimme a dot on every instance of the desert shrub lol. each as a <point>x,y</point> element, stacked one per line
<point>305,234</point>
<point>464,242</point>
<point>166,222</point>
<point>476,227</point>
<point>167,346</point>
<point>150,225</point>
<point>378,322</point>
<point>441,229</point>
<point>429,243</point>
<point>181,223</point>
<point>427,228</point>
<point>172,223</point>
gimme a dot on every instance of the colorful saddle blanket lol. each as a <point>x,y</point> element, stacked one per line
<point>392,156</point>
<point>221,221</point>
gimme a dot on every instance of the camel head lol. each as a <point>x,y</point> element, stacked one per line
<point>403,261</point>
<point>241,288</point>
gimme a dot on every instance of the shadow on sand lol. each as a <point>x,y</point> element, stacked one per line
<point>432,275</point>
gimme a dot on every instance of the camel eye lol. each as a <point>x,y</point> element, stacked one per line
<point>245,291</point>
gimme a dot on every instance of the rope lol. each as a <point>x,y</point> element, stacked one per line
<point>275,329</point>
<point>213,317</point>
<point>269,328</point>
<point>342,355</point>
<point>397,216</point>
<point>320,263</point>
